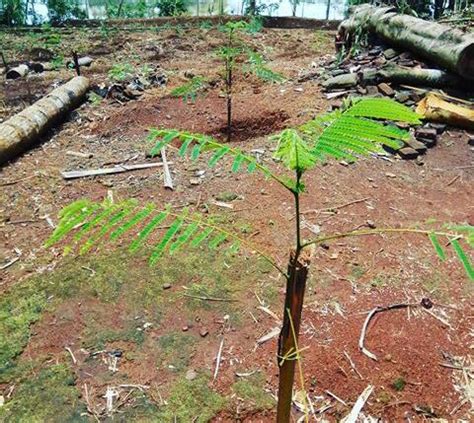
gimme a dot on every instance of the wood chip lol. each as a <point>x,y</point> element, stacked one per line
<point>73,174</point>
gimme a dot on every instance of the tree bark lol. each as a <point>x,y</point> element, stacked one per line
<point>438,43</point>
<point>23,129</point>
<point>328,9</point>
<point>287,344</point>
<point>252,7</point>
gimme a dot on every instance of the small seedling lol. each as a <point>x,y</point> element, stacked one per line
<point>94,98</point>
<point>58,62</point>
<point>120,72</point>
<point>230,53</point>
<point>399,384</point>
<point>358,129</point>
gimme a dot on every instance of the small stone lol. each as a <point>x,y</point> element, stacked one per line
<point>166,286</point>
<point>374,51</point>
<point>203,332</point>
<point>415,97</point>
<point>402,97</point>
<point>419,161</point>
<point>388,357</point>
<point>440,127</point>
<point>390,175</point>
<point>417,145</point>
<point>429,143</point>
<point>372,90</point>
<point>191,374</point>
<point>337,72</point>
<point>371,224</point>
<point>408,153</point>
<point>426,303</point>
<point>386,89</point>
<point>342,81</point>
<point>227,196</point>
<point>403,125</point>
<point>390,53</point>
<point>185,328</point>
<point>426,133</point>
<point>334,256</point>
<point>195,181</point>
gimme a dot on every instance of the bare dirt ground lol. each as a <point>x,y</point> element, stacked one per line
<point>144,334</point>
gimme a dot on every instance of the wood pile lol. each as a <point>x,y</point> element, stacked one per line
<point>387,69</point>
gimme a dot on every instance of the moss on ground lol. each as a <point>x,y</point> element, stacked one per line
<point>191,401</point>
<point>19,308</point>
<point>176,348</point>
<point>251,391</point>
<point>119,293</point>
<point>48,396</point>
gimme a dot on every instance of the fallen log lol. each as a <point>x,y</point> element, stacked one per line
<point>434,109</point>
<point>412,76</point>
<point>19,71</point>
<point>23,129</point>
<point>447,47</point>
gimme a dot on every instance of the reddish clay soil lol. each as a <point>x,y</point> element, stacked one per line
<point>348,279</point>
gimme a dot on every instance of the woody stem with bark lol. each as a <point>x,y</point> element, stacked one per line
<point>298,267</point>
<point>228,82</point>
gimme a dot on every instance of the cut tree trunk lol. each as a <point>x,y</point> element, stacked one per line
<point>19,71</point>
<point>288,350</point>
<point>438,43</point>
<point>81,61</point>
<point>434,109</point>
<point>23,129</point>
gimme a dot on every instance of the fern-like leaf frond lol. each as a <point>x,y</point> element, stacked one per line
<point>256,65</point>
<point>293,151</point>
<point>191,89</point>
<point>383,109</point>
<point>199,143</point>
<point>162,230</point>
<point>354,132</point>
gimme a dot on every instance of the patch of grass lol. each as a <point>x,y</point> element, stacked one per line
<point>357,271</point>
<point>399,384</point>
<point>49,396</point>
<point>251,391</point>
<point>176,349</point>
<point>191,401</point>
<point>437,286</point>
<point>321,40</point>
<point>96,338</point>
<point>19,309</point>
<point>384,398</point>
<point>120,71</point>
